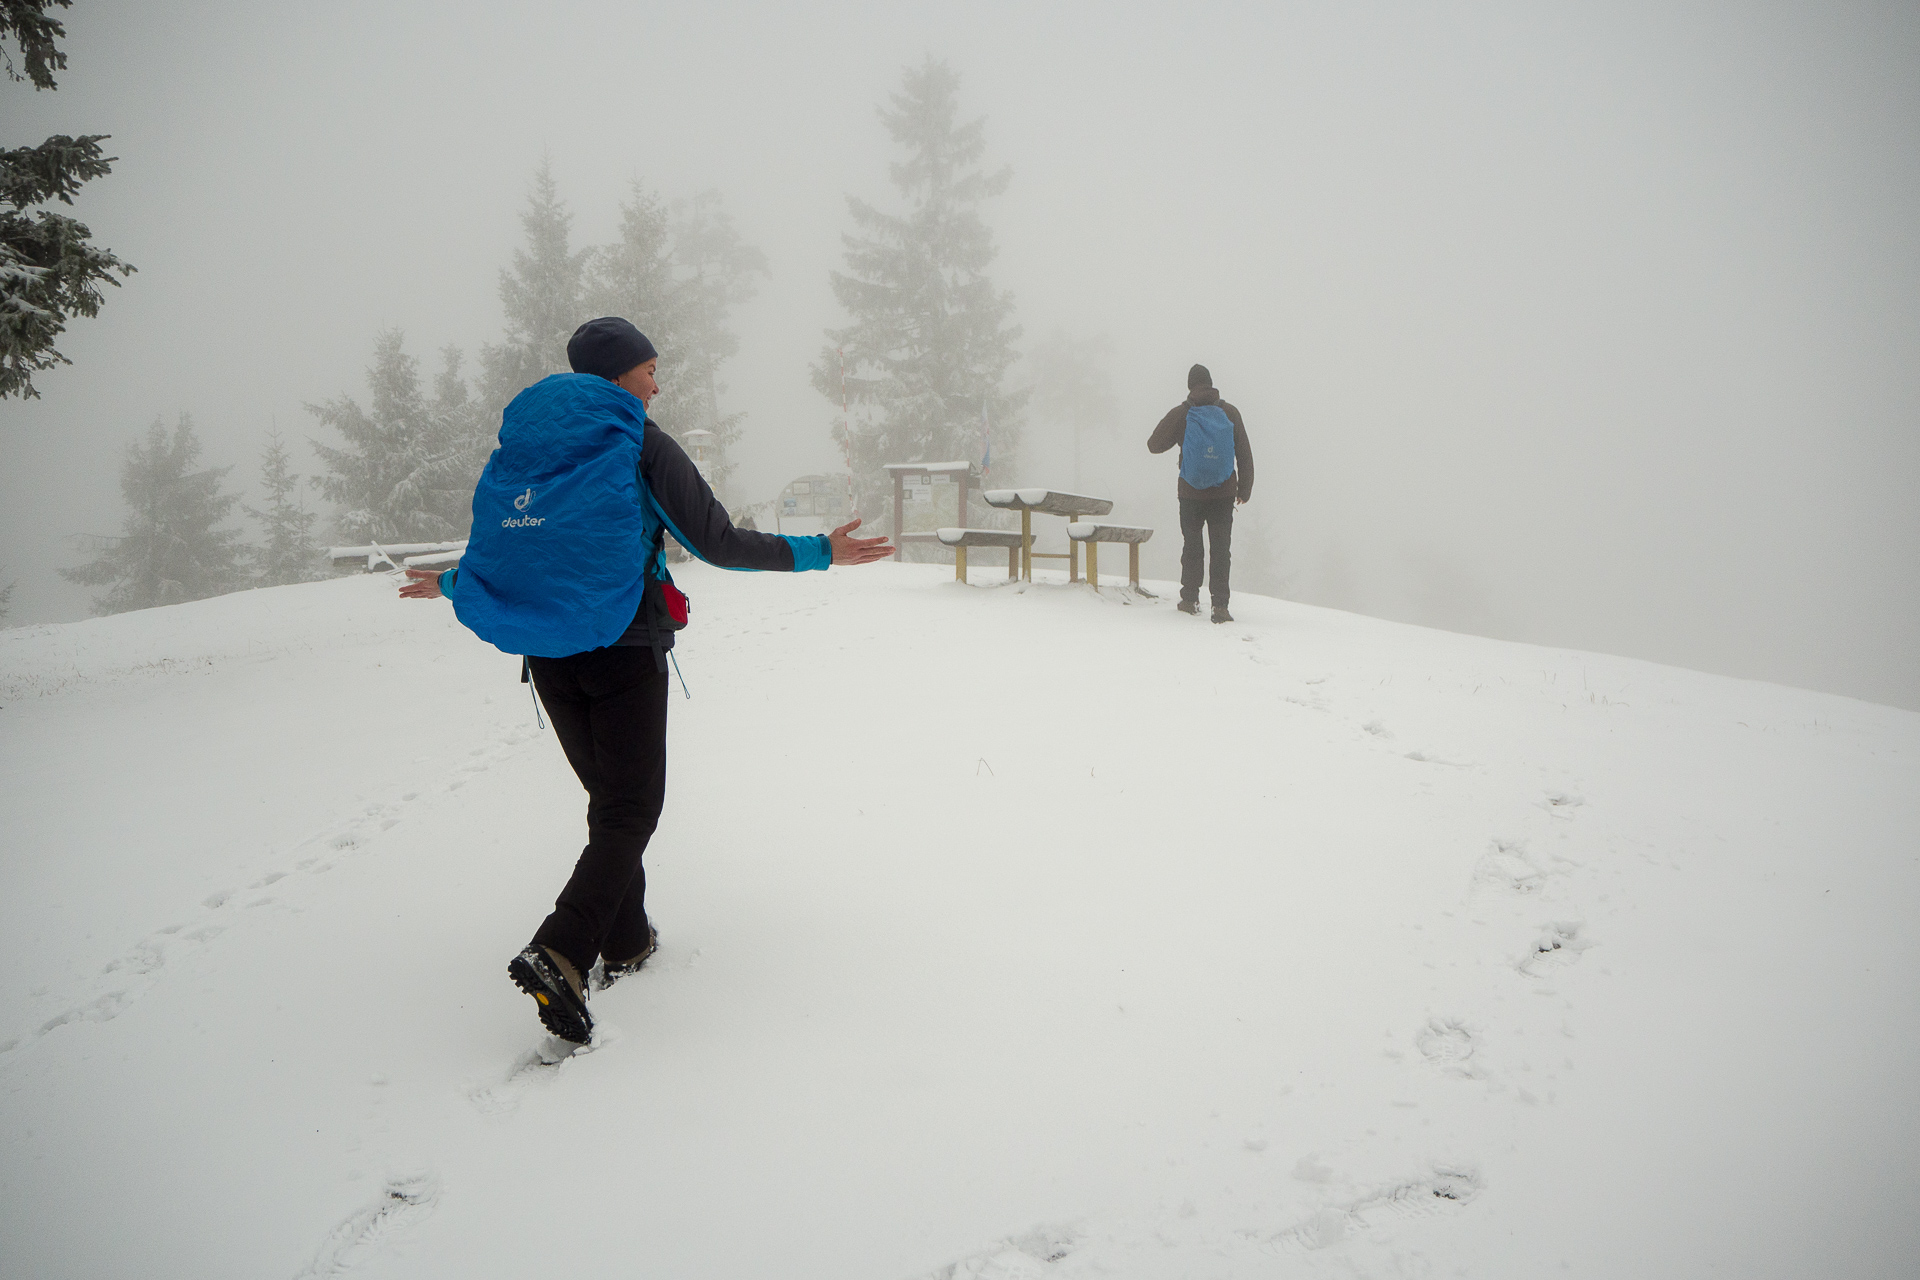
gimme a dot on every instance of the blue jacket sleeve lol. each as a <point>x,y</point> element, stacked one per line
<point>811,553</point>
<point>702,525</point>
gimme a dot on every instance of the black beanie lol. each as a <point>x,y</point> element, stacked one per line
<point>608,347</point>
<point>1197,376</point>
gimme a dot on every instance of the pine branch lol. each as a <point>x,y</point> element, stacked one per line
<point>30,27</point>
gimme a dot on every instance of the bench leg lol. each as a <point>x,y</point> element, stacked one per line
<point>1093,565</point>
<point>960,564</point>
<point>1133,565</point>
<point>1026,544</point>
<point>1013,563</point>
<point>1073,554</point>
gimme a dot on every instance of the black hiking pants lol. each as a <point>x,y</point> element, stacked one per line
<point>1216,517</point>
<point>609,710</point>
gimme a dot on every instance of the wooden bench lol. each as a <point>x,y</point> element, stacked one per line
<point>961,539</point>
<point>1093,533</point>
<point>1048,503</point>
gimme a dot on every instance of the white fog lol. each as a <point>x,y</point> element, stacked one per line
<point>1588,328</point>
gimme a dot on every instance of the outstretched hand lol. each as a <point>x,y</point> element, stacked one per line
<point>421,584</point>
<point>850,550</point>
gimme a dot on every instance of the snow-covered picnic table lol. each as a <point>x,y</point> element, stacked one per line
<point>1048,502</point>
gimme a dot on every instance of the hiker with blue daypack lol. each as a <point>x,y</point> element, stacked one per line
<point>1216,474</point>
<point>566,564</point>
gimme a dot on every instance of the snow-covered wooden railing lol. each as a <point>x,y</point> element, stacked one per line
<point>415,555</point>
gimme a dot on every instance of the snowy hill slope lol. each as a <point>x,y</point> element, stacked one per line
<point>1006,932</point>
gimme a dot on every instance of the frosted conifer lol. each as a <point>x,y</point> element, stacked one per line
<point>287,552</point>
<point>396,478</point>
<point>173,549</point>
<point>544,297</point>
<point>49,272</point>
<point>718,270</point>
<point>927,354</point>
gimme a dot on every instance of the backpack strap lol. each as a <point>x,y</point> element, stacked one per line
<point>656,573</point>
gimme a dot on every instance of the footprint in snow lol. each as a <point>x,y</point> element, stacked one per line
<point>1421,757</point>
<point>132,973</point>
<point>544,1062</point>
<point>1509,866</point>
<point>1448,1044</point>
<point>1444,1190</point>
<point>401,1203</point>
<point>1027,1257</point>
<point>1558,945</point>
<point>1561,804</point>
<point>149,955</point>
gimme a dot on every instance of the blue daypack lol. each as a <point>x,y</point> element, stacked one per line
<point>1206,454</point>
<point>564,532</point>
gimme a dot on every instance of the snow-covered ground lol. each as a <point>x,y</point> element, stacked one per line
<point>1007,931</point>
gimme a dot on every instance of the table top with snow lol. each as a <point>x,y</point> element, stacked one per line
<point>979,537</point>
<point>1047,502</point>
<point>1101,531</point>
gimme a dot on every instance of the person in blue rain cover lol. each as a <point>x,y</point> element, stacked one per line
<point>566,565</point>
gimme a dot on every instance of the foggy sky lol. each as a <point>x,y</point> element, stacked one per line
<point>1597,328</point>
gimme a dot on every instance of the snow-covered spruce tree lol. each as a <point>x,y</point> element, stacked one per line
<point>927,354</point>
<point>677,274</point>
<point>544,296</point>
<point>173,549</point>
<point>394,480</point>
<point>718,271</point>
<point>6,599</point>
<point>49,273</point>
<point>635,277</point>
<point>286,552</point>
<point>462,422</point>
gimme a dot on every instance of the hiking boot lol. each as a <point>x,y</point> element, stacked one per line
<point>1189,606</point>
<point>1220,614</point>
<point>555,986</point>
<point>611,971</point>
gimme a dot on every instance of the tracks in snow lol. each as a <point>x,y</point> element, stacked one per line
<point>1511,872</point>
<point>123,980</point>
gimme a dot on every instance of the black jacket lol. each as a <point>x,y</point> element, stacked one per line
<point>683,493</point>
<point>1172,430</point>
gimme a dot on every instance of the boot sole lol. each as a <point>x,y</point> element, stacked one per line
<point>553,999</point>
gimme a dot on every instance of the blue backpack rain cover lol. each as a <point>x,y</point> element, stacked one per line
<point>1206,454</point>
<point>563,531</point>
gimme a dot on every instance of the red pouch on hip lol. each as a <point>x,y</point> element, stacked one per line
<point>676,602</point>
